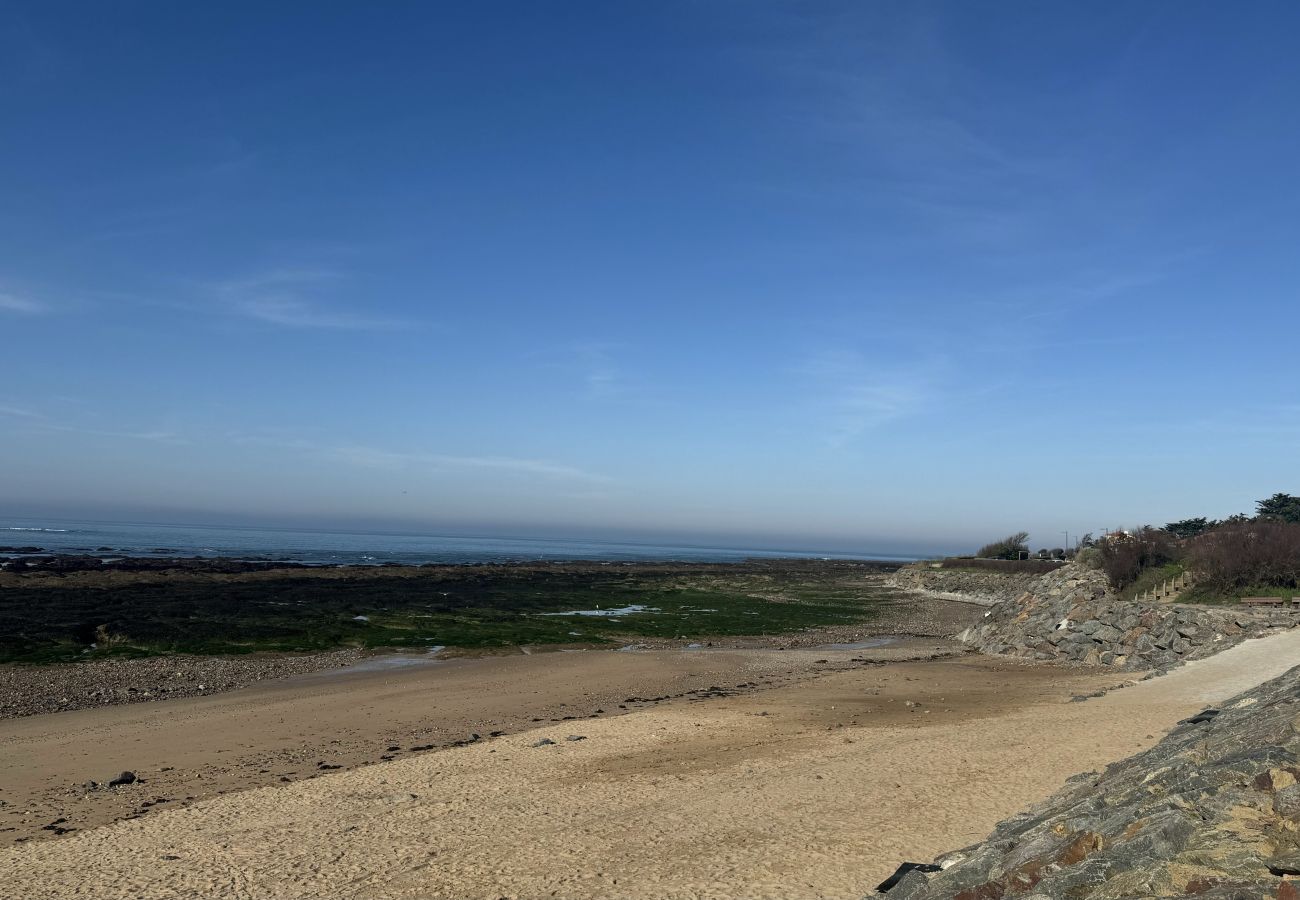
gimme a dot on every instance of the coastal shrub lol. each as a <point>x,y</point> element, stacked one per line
<point>1125,556</point>
<point>1089,557</point>
<point>1152,578</point>
<point>1258,553</point>
<point>1012,546</point>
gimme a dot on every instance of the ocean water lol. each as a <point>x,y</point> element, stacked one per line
<point>112,539</point>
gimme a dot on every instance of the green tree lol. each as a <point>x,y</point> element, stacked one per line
<point>1188,528</point>
<point>1012,546</point>
<point>1280,507</point>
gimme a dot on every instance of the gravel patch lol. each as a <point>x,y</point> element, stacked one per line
<point>32,690</point>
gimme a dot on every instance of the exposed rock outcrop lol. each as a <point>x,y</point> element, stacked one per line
<point>1072,615</point>
<point>966,585</point>
<point>1212,811</point>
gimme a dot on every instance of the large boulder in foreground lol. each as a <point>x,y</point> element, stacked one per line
<point>1212,811</point>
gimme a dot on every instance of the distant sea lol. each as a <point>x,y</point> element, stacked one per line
<point>110,540</point>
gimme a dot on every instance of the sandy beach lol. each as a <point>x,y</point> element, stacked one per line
<point>814,786</point>
<point>190,749</point>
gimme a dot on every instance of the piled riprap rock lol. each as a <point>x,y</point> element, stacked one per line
<point>1071,615</point>
<point>1212,811</point>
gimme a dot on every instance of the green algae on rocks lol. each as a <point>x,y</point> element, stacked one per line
<point>220,609</point>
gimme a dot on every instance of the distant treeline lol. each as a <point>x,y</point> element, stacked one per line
<point>1229,555</point>
<point>1014,547</point>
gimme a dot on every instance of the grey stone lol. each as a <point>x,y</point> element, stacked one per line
<point>1149,823</point>
<point>1071,615</point>
<point>1107,634</point>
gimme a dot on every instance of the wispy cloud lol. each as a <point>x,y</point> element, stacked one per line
<point>911,126</point>
<point>165,437</point>
<point>40,422</point>
<point>907,125</point>
<point>594,366</point>
<point>297,313</point>
<point>600,372</point>
<point>22,305</point>
<point>855,395</point>
<point>278,441</point>
<point>371,457</point>
<point>279,297</point>
<point>19,413</point>
<point>380,458</point>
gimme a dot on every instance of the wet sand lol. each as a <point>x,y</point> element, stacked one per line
<point>189,749</point>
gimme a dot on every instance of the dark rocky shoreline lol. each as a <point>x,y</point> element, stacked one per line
<point>85,681</point>
<point>33,560</point>
<point>27,690</point>
<point>1212,811</point>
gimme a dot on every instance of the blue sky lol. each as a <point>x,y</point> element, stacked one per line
<point>841,274</point>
